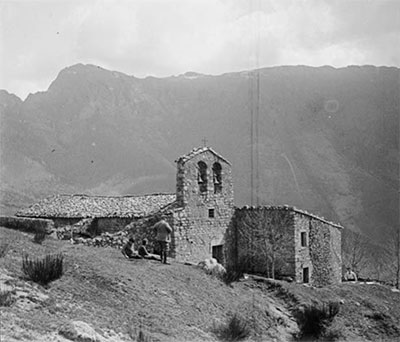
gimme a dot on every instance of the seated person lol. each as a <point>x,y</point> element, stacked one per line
<point>350,275</point>
<point>129,250</point>
<point>144,253</point>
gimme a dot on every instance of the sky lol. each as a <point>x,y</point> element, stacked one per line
<point>38,38</point>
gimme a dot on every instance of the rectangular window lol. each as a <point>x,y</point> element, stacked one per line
<point>303,239</point>
<point>211,213</point>
<point>306,275</point>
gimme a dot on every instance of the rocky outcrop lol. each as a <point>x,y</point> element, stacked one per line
<point>79,331</point>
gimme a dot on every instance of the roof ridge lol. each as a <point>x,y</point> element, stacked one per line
<point>197,150</point>
<point>111,196</point>
<point>293,208</point>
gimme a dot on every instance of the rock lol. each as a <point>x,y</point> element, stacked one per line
<point>211,266</point>
<point>80,332</point>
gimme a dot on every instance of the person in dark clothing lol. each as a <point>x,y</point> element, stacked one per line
<point>163,237</point>
<point>144,253</point>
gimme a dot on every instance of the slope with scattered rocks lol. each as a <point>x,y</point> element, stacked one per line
<point>104,297</point>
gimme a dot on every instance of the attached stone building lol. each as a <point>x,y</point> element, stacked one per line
<point>108,213</point>
<point>281,240</point>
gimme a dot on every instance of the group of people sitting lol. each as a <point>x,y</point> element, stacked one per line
<point>163,237</point>
<point>142,253</point>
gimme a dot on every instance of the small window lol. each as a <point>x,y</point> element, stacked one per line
<point>303,239</point>
<point>211,213</point>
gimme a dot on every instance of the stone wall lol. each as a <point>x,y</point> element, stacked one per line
<point>302,253</point>
<point>62,222</point>
<point>31,225</point>
<point>261,240</point>
<point>203,216</point>
<point>109,224</point>
<point>325,253</point>
<point>143,229</point>
<point>268,240</point>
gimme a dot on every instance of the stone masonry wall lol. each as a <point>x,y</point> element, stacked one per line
<point>302,253</point>
<point>110,224</point>
<point>195,231</point>
<point>143,228</point>
<point>325,253</point>
<point>261,240</point>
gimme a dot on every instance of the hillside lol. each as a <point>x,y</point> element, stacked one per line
<point>176,302</point>
<point>328,139</point>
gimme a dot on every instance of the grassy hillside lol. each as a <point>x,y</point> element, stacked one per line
<point>118,298</point>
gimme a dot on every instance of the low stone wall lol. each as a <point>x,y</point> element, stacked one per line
<point>116,240</point>
<point>81,228</point>
<point>30,225</point>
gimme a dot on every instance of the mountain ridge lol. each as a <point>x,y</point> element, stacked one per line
<point>327,137</point>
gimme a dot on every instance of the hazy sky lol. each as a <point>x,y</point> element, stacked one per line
<point>170,37</point>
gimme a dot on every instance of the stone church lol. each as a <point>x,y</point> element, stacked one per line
<point>206,223</point>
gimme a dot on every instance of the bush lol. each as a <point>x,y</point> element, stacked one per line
<point>314,320</point>
<point>3,249</point>
<point>235,329</point>
<point>5,298</point>
<point>39,237</point>
<point>138,336</point>
<point>233,273</point>
<point>45,270</point>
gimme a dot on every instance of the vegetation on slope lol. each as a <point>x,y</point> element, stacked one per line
<point>120,298</point>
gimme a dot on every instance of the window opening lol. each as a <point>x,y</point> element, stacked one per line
<point>218,253</point>
<point>303,239</point>
<point>217,177</point>
<point>306,275</point>
<point>202,177</point>
<point>211,213</point>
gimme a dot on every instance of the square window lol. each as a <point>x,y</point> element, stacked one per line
<point>303,239</point>
<point>211,213</point>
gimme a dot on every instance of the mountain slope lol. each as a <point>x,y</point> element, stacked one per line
<point>119,297</point>
<point>328,139</point>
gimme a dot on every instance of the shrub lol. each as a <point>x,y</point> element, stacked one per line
<point>4,249</point>
<point>138,336</point>
<point>233,273</point>
<point>45,270</point>
<point>5,298</point>
<point>39,237</point>
<point>235,329</point>
<point>314,320</point>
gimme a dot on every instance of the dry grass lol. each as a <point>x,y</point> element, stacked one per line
<point>6,298</point>
<point>4,246</point>
<point>176,302</point>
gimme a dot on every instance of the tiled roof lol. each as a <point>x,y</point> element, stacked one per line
<point>81,206</point>
<point>197,151</point>
<point>296,210</point>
